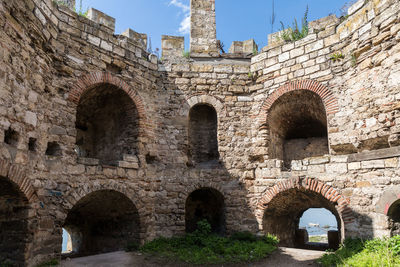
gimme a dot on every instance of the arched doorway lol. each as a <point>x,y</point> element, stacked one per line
<point>298,127</point>
<point>394,218</point>
<point>67,242</point>
<point>283,213</point>
<point>14,231</point>
<point>203,134</point>
<point>320,226</point>
<point>205,204</point>
<point>102,221</point>
<point>107,123</point>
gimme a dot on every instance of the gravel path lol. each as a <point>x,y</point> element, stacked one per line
<point>282,257</point>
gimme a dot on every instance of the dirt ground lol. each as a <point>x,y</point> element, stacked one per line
<point>281,257</point>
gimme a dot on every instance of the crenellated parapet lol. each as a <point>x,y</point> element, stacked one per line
<point>172,46</point>
<point>102,19</point>
<point>245,47</point>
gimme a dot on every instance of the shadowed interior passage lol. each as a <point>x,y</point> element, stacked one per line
<point>205,203</point>
<point>102,221</point>
<point>282,217</point>
<point>14,232</point>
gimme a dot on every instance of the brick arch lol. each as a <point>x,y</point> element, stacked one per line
<point>17,175</point>
<point>387,199</point>
<point>308,184</point>
<point>94,79</point>
<point>215,102</point>
<point>327,97</point>
<point>196,186</point>
<point>82,191</point>
<point>76,195</point>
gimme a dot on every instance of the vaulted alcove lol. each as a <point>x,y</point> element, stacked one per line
<point>203,134</point>
<point>298,127</point>
<point>107,124</point>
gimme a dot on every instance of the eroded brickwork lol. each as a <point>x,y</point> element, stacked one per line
<point>90,117</point>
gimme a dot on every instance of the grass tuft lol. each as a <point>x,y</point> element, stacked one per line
<point>49,263</point>
<point>357,253</point>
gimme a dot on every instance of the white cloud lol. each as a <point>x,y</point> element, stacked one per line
<point>184,27</point>
<point>177,3</point>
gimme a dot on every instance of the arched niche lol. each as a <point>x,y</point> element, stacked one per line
<point>297,127</point>
<point>205,204</point>
<point>107,123</point>
<point>203,134</point>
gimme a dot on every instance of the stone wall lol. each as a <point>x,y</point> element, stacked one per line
<point>57,68</point>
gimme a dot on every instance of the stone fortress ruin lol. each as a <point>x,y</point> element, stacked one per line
<point>101,138</point>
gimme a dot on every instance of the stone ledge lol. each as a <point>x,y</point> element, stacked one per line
<point>376,154</point>
<point>88,161</point>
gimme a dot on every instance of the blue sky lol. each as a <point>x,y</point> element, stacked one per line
<point>237,20</point>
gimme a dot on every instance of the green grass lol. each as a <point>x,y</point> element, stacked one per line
<point>318,239</point>
<point>202,247</point>
<point>358,253</point>
<point>49,263</point>
<point>6,263</point>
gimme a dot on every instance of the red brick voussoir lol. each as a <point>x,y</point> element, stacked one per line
<point>94,79</point>
<point>313,185</point>
<point>329,100</point>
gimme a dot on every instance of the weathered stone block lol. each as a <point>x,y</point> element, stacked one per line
<point>339,168</point>
<point>354,165</point>
<point>88,161</point>
<point>101,18</point>
<point>373,164</point>
<point>31,118</point>
<point>318,160</point>
<point>128,165</point>
<point>139,38</point>
<point>172,46</point>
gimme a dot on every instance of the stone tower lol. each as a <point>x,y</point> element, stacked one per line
<point>203,33</point>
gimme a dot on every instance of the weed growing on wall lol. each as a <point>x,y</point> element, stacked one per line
<point>294,33</point>
<point>80,10</point>
<point>186,54</point>
<point>337,56</point>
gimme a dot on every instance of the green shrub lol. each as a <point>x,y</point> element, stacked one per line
<point>6,263</point>
<point>202,247</point>
<point>49,263</point>
<point>356,252</point>
<point>244,236</point>
<point>337,57</point>
<point>294,33</point>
